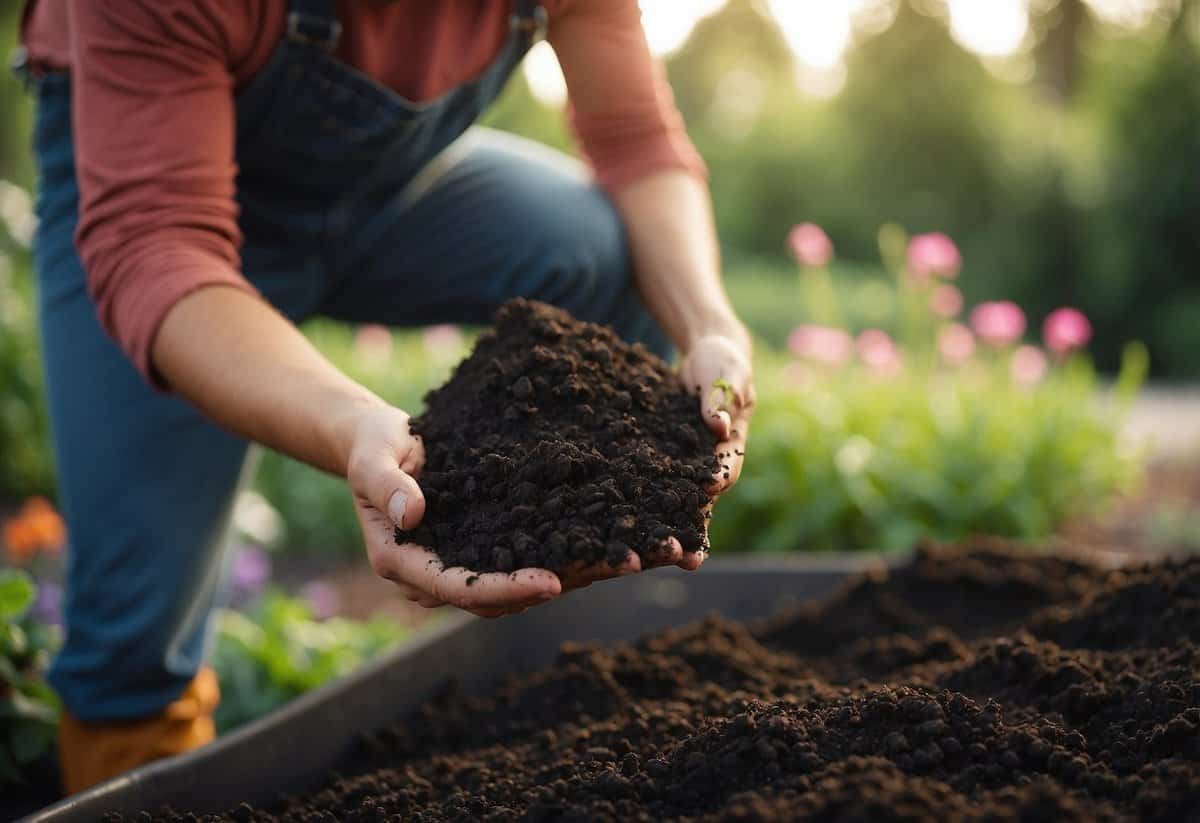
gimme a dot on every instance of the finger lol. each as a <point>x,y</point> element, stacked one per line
<point>731,455</point>
<point>669,553</point>
<point>580,576</point>
<point>470,590</point>
<point>716,418</point>
<point>692,560</point>
<point>414,461</point>
<point>388,488</point>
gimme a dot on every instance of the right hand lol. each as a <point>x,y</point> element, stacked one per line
<point>385,459</point>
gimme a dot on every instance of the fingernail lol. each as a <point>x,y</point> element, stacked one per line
<point>397,507</point>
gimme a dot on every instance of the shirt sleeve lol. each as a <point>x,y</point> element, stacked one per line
<point>153,117</point>
<point>622,107</point>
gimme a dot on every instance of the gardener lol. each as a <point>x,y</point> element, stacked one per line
<point>215,171</point>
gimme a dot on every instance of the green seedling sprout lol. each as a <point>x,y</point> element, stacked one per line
<point>722,385</point>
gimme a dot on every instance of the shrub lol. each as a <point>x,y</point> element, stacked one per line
<point>871,443</point>
<point>278,651</point>
<point>29,710</point>
<point>26,466</point>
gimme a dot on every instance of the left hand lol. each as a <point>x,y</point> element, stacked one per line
<point>713,358</point>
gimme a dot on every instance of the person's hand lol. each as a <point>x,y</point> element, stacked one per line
<point>718,369</point>
<point>669,553</point>
<point>385,459</point>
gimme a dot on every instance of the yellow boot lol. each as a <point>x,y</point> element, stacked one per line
<point>91,753</point>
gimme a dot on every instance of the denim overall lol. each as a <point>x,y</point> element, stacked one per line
<point>356,204</point>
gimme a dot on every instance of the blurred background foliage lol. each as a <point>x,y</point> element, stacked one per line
<point>1068,170</point>
<point>1057,141</point>
<point>1060,147</point>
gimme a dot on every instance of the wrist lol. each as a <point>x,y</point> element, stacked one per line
<point>345,423</point>
<point>722,324</point>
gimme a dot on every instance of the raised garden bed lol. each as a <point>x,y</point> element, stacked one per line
<point>978,686</point>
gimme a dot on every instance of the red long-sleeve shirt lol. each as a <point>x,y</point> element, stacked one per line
<point>153,84</point>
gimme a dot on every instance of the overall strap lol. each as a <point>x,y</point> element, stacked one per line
<point>314,23</point>
<point>529,17</point>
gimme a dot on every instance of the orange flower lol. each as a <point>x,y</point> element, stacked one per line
<point>36,528</point>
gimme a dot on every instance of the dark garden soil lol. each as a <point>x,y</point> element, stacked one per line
<point>968,686</point>
<point>556,444</point>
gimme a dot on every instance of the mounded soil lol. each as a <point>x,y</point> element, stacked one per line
<point>979,685</point>
<point>555,445</point>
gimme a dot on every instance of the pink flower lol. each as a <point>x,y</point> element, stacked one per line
<point>1065,330</point>
<point>322,598</point>
<point>956,344</point>
<point>878,352</point>
<point>373,343</point>
<point>933,255</point>
<point>999,323</point>
<point>251,570</point>
<point>443,340</point>
<point>946,301</point>
<point>810,244</point>
<point>799,376</point>
<point>822,344</point>
<point>1028,365</point>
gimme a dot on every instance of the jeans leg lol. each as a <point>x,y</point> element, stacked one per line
<point>146,483</point>
<point>495,217</point>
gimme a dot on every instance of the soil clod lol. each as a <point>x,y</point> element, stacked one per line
<point>556,445</point>
<point>985,685</point>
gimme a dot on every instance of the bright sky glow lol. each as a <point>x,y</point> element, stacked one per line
<point>819,31</point>
<point>669,22</point>
<point>992,28</point>
<point>544,75</point>
<point>1132,13</point>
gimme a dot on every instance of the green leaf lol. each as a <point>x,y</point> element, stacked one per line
<point>29,739</point>
<point>9,773</point>
<point>8,672</point>
<point>30,708</point>
<point>16,593</point>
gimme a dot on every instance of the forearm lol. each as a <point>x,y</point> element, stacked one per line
<point>251,371</point>
<point>674,243</point>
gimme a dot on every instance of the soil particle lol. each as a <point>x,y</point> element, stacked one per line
<point>556,444</point>
<point>979,685</point>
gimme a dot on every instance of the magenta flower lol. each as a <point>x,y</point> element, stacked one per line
<point>810,244</point>
<point>322,598</point>
<point>945,301</point>
<point>878,352</point>
<point>933,255</point>
<point>1028,365</point>
<point>47,605</point>
<point>373,343</point>
<point>1065,330</point>
<point>956,344</point>
<point>999,323</point>
<point>821,344</point>
<point>251,570</point>
<point>443,340</point>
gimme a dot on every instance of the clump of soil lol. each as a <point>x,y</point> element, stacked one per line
<point>557,444</point>
<point>981,685</point>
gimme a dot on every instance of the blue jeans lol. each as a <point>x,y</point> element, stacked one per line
<point>147,483</point>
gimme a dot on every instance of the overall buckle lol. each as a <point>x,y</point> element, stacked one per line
<point>313,31</point>
<point>535,25</point>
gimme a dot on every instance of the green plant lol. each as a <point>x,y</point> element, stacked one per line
<point>25,458</point>
<point>869,443</point>
<point>278,651</point>
<point>851,461</point>
<point>29,710</point>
